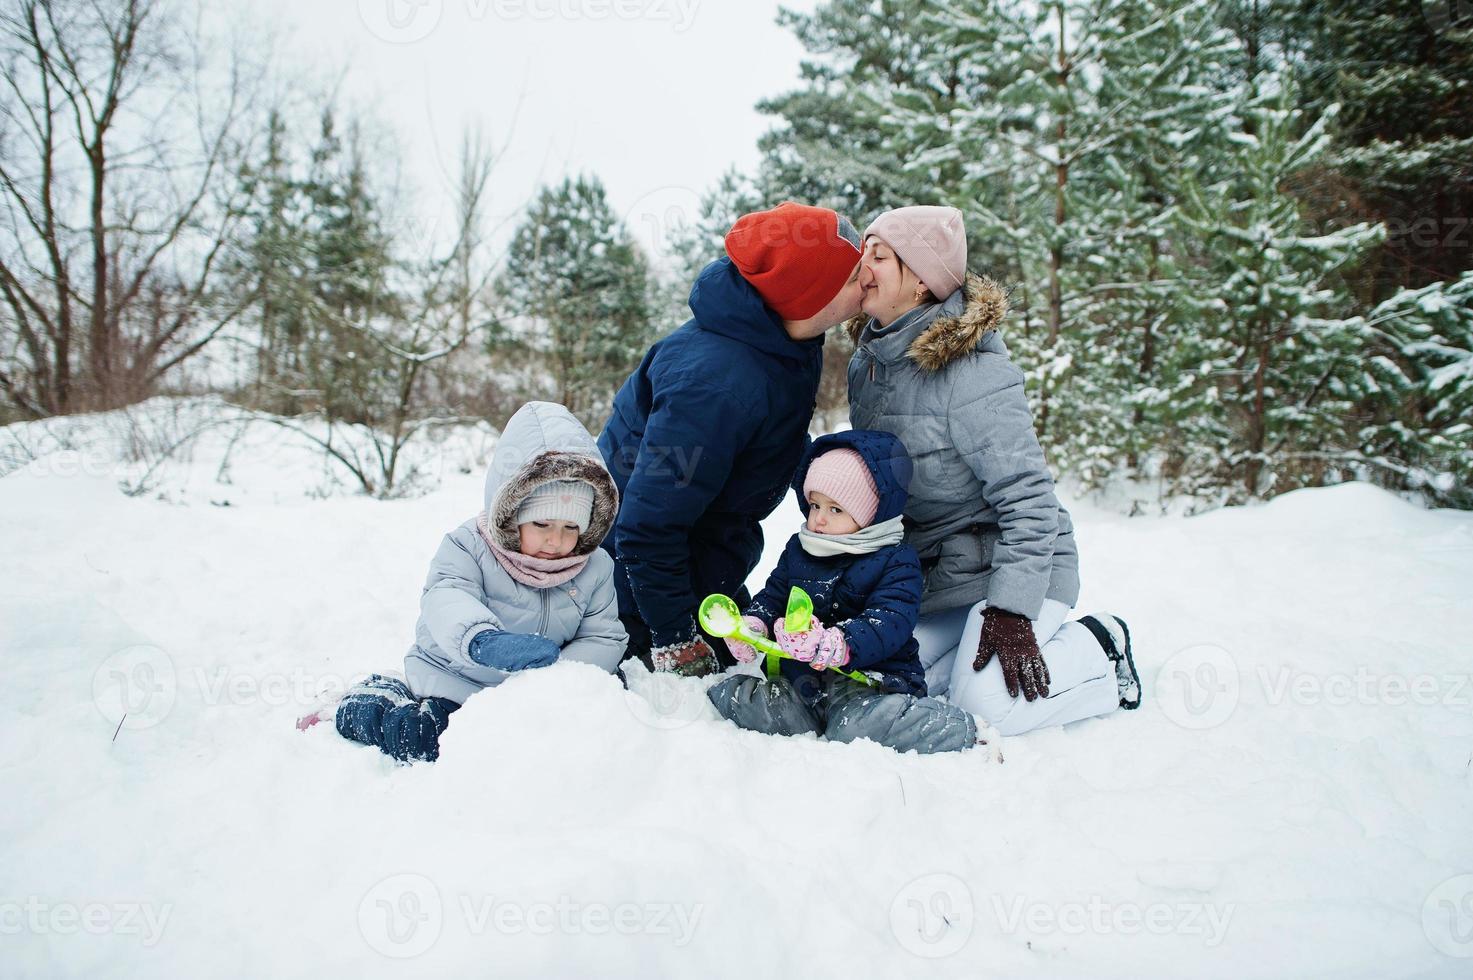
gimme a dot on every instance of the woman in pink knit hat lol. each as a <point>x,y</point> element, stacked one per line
<point>996,547</point>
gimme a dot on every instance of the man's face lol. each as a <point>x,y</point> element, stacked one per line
<point>842,307</point>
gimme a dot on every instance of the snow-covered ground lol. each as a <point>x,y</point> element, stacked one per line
<point>1295,797</point>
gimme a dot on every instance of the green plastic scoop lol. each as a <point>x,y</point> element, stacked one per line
<point>720,616</point>
<point>800,611</point>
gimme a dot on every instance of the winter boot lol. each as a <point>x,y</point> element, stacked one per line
<point>1114,637</point>
<point>360,714</point>
<point>411,732</point>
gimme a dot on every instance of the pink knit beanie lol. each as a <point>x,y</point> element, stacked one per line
<point>930,240</point>
<point>843,475</point>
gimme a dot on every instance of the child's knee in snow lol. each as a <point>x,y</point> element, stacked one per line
<point>872,717</point>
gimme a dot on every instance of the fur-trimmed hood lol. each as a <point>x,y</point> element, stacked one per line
<point>952,335</point>
<point>541,443</point>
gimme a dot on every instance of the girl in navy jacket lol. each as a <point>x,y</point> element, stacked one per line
<point>865,583</point>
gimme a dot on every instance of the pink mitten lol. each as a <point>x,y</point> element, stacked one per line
<point>833,649</point>
<point>745,652</point>
<point>799,646</point>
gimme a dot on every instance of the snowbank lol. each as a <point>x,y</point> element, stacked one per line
<point>1293,799</point>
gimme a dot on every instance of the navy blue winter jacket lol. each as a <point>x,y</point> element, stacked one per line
<point>875,599</point>
<point>702,443</point>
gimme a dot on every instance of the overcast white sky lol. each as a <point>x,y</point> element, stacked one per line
<point>654,96</point>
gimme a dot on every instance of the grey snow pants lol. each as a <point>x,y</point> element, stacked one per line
<point>843,710</point>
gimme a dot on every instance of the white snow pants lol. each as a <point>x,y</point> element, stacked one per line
<point>1081,677</point>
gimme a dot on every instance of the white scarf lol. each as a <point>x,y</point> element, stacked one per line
<point>865,541</point>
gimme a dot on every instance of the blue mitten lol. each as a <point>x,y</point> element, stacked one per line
<point>513,651</point>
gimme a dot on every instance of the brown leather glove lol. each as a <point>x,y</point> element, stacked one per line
<point>694,659</point>
<point>1009,637</point>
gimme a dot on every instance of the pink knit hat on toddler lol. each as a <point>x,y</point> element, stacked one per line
<point>843,475</point>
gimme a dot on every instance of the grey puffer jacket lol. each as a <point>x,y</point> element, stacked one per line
<point>469,591</point>
<point>982,513</point>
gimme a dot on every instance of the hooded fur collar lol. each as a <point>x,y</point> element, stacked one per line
<point>951,338</point>
<point>546,467</point>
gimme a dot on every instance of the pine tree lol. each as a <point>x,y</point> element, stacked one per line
<point>1061,132</point>
<point>348,271</point>
<point>1402,72</point>
<point>1425,440</point>
<point>1189,249</point>
<point>833,148</point>
<point>1268,383</point>
<point>1163,76</point>
<point>580,291</point>
<point>270,270</point>
<point>700,241</point>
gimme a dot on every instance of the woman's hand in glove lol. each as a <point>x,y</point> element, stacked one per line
<point>1009,637</point>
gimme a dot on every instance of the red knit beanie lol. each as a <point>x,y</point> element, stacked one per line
<point>797,257</point>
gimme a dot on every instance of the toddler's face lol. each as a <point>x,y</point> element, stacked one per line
<point>825,516</point>
<point>548,539</point>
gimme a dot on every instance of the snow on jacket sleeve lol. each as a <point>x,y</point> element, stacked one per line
<point>451,602</point>
<point>994,434</point>
<point>601,638</point>
<point>772,602</point>
<point>691,440</point>
<point>890,613</point>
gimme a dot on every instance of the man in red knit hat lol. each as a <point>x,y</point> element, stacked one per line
<point>707,433</point>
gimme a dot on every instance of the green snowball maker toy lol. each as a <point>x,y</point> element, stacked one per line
<point>720,616</point>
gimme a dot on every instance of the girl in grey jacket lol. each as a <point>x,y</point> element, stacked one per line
<point>519,586</point>
<point>997,549</point>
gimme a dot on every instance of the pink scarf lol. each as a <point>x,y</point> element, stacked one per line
<point>539,573</point>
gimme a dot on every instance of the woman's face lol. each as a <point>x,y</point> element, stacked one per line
<point>548,539</point>
<point>887,288</point>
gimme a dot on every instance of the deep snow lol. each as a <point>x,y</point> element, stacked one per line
<point>1293,799</point>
